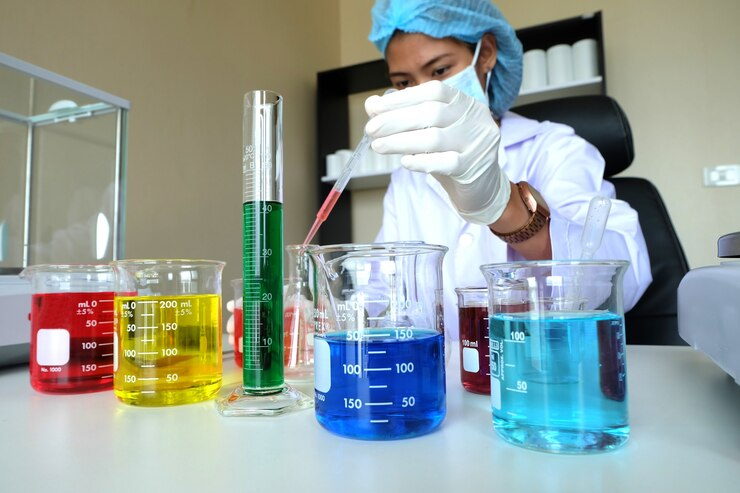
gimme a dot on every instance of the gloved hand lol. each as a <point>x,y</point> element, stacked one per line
<point>442,131</point>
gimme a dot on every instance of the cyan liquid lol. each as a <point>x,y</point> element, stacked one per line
<point>558,383</point>
<point>390,384</point>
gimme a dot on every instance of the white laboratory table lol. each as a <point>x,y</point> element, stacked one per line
<point>684,412</point>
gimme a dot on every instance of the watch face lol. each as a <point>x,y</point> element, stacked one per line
<point>533,199</point>
<point>541,204</point>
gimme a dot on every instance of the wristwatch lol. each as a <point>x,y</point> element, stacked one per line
<point>538,219</point>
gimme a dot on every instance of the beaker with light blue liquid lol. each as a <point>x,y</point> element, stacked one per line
<point>379,351</point>
<point>557,347</point>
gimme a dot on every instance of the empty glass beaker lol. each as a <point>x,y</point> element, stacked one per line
<point>472,308</point>
<point>558,370</point>
<point>379,351</point>
<point>168,331</point>
<point>71,328</point>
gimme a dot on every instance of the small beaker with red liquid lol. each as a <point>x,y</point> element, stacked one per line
<point>238,323</point>
<point>72,329</point>
<point>297,318</point>
<point>472,306</point>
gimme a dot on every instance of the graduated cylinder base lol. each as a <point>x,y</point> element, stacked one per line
<point>241,402</point>
<point>561,440</point>
<point>169,397</point>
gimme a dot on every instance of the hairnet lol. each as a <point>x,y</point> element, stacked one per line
<point>466,20</point>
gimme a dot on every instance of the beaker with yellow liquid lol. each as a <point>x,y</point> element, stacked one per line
<point>168,331</point>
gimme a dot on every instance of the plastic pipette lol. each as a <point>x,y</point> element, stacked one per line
<point>338,187</point>
<point>593,229</point>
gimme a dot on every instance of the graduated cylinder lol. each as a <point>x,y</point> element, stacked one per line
<point>262,167</point>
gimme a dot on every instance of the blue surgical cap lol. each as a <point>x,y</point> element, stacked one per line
<point>465,20</point>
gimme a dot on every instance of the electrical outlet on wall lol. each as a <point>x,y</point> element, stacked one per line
<point>724,175</point>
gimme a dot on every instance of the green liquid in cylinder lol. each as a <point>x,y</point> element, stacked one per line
<point>263,297</point>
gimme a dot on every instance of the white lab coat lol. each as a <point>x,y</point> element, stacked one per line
<point>564,168</point>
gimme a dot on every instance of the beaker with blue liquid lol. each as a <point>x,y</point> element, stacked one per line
<point>379,349</point>
<point>557,347</point>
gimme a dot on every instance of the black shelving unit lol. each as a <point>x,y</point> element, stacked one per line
<point>334,87</point>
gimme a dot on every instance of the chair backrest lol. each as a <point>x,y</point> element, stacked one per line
<point>600,120</point>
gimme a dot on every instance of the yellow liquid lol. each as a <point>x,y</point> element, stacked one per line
<point>168,349</point>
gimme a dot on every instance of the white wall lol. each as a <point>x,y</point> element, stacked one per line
<point>674,68</point>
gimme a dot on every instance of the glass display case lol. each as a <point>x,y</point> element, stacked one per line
<point>62,169</point>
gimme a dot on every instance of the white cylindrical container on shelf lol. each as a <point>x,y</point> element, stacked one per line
<point>534,74</point>
<point>559,64</point>
<point>343,155</point>
<point>333,166</point>
<point>373,161</point>
<point>585,59</point>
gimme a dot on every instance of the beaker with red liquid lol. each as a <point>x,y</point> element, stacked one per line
<point>472,306</point>
<point>238,323</point>
<point>72,344</point>
<point>297,317</point>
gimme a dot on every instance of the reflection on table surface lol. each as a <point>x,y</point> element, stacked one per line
<point>684,412</point>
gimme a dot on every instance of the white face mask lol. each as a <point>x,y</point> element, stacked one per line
<point>467,80</point>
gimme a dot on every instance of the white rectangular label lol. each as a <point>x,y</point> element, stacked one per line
<point>52,347</point>
<point>471,362</point>
<point>496,393</point>
<point>322,365</point>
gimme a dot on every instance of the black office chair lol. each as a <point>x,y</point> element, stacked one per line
<point>601,121</point>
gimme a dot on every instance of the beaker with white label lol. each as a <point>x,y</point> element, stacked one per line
<point>379,349</point>
<point>557,344</point>
<point>168,333</point>
<point>71,328</point>
<point>472,309</point>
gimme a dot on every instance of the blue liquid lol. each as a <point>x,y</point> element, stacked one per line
<point>558,383</point>
<point>388,385</point>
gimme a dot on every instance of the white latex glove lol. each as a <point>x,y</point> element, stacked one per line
<point>444,132</point>
<point>230,322</point>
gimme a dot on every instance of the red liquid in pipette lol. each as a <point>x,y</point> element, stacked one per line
<point>323,213</point>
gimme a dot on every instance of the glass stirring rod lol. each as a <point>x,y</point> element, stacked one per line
<point>338,187</point>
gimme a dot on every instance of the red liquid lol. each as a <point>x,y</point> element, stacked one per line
<point>474,337</point>
<point>290,315</point>
<point>238,336</point>
<point>72,342</point>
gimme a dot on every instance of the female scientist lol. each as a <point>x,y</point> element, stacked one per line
<point>485,182</point>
